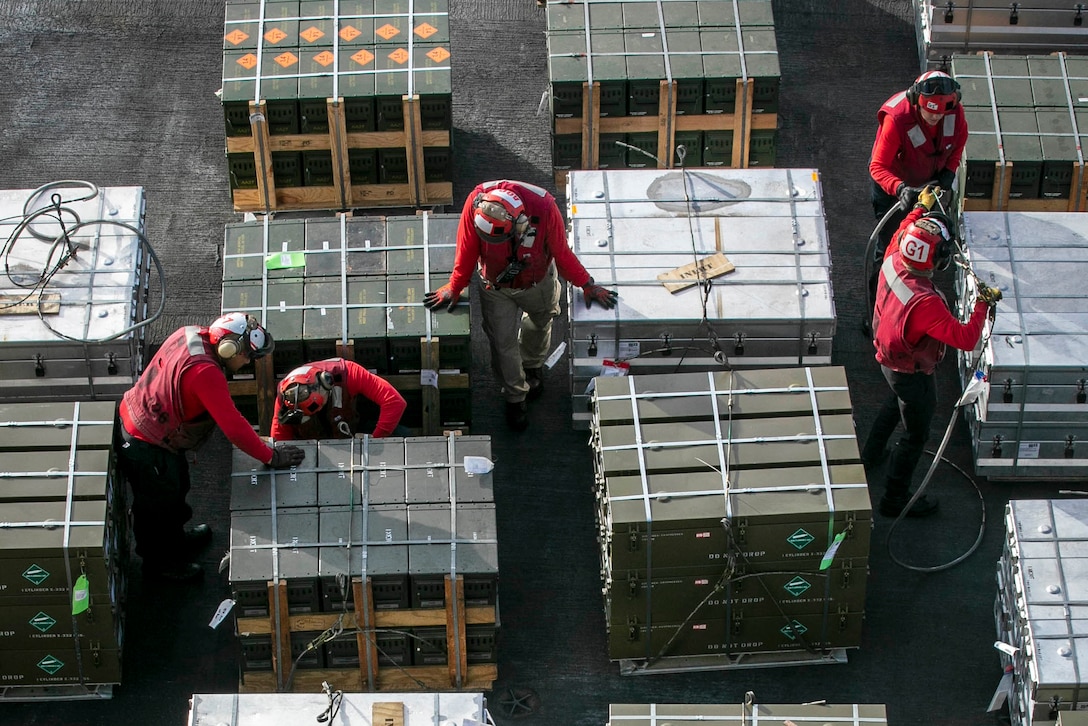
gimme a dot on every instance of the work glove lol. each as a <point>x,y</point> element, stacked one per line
<point>907,195</point>
<point>927,198</point>
<point>946,179</point>
<point>442,297</point>
<point>989,295</point>
<point>285,456</point>
<point>593,292</point>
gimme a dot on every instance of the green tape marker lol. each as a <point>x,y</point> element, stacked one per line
<point>830,554</point>
<point>81,595</point>
<point>285,260</point>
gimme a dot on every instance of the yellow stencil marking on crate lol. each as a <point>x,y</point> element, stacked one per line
<point>349,33</point>
<point>363,57</point>
<point>438,54</point>
<point>275,35</point>
<point>48,303</point>
<point>387,31</point>
<point>312,34</point>
<point>687,275</point>
<point>248,61</point>
<point>325,58</point>
<point>425,30</point>
<point>400,55</point>
<point>286,59</point>
<point>236,36</point>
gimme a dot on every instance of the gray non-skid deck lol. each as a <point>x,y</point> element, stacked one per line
<point>122,92</point>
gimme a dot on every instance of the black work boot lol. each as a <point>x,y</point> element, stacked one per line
<point>185,572</point>
<point>516,417</point>
<point>535,378</point>
<point>197,538</point>
<point>892,506</point>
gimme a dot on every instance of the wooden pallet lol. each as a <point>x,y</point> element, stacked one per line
<point>666,123</point>
<point>262,385</point>
<point>999,200</point>
<point>457,674</point>
<point>342,195</point>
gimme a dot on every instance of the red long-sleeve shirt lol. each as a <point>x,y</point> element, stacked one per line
<point>492,259</point>
<point>358,382</point>
<point>204,389</point>
<point>909,150</point>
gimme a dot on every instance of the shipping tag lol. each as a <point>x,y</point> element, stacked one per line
<point>221,613</point>
<point>478,465</point>
<point>284,260</point>
<point>555,356</point>
<point>830,554</point>
<point>428,377</point>
<point>81,595</point>
<point>1004,688</point>
<point>611,368</point>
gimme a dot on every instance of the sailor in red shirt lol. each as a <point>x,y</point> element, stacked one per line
<point>912,326</point>
<point>514,233</point>
<point>176,403</point>
<point>320,401</point>
<point>920,140</point>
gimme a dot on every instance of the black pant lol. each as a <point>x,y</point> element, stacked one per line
<point>159,481</point>
<point>882,202</point>
<point>913,401</point>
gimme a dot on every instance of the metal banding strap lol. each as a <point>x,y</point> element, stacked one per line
<point>750,391</point>
<point>455,613</point>
<point>264,268</point>
<point>799,279</point>
<point>654,718</point>
<point>1073,194</point>
<point>611,247</point>
<point>1025,333</point>
<point>427,273</point>
<point>259,139</point>
<point>68,502</point>
<point>344,280</point>
<point>277,615</point>
<point>723,452</point>
<point>828,490</point>
<point>646,508</point>
<point>740,107</point>
<point>336,57</point>
<point>368,628</point>
<point>669,118</point>
<point>997,131</point>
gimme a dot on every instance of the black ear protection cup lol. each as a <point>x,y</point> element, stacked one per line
<point>497,211</point>
<point>324,379</point>
<point>949,86</point>
<point>942,256</point>
<point>231,344</point>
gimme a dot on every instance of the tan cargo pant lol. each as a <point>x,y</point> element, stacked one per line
<point>518,324</point>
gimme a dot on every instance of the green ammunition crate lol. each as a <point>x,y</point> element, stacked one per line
<point>392,166</point>
<point>1011,82</point>
<point>569,69</point>
<point>736,714</point>
<point>645,58</point>
<point>317,23</point>
<point>980,154</point>
<point>437,164</point>
<point>92,475</point>
<point>1048,88</point>
<point>355,25</point>
<point>686,65</point>
<point>363,166</point>
<point>425,72</point>
<point>1020,137</point>
<point>611,154</point>
<point>254,486</point>
<point>566,151</point>
<point>455,404</point>
<point>327,253</point>
<point>422,244</point>
<point>692,141</point>
<point>323,317</point>
<point>239,87</point>
<point>22,430</point>
<point>431,474</point>
<point>287,168</point>
<point>34,625</point>
<point>279,87</point>
<point>762,145</point>
<point>717,148</point>
<point>317,168</point>
<point>431,527</point>
<point>427,22</point>
<point>744,633</point>
<point>1059,152</point>
<point>242,170</point>
<point>280,25</point>
<point>241,27</point>
<point>367,322</point>
<point>283,318</point>
<point>645,152</point>
<point>672,594</point>
<point>386,558</point>
<point>61,663</point>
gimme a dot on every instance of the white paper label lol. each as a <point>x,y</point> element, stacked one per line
<point>221,613</point>
<point>1028,450</point>
<point>428,377</point>
<point>628,349</point>
<point>478,464</point>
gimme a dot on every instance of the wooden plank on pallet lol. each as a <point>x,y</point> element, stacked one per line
<point>456,643</point>
<point>1078,190</point>
<point>999,201</point>
<point>281,632</point>
<point>387,713</point>
<point>323,198</point>
<point>265,389</point>
<point>742,126</point>
<point>432,406</point>
<point>480,677</point>
<point>591,125</point>
<point>338,142</point>
<point>666,124</point>
<point>413,618</point>
<point>262,155</point>
<point>363,597</point>
<point>413,149</point>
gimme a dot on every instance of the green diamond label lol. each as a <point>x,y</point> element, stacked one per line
<point>42,622</point>
<point>800,539</point>
<point>50,665</point>
<point>796,586</point>
<point>793,630</point>
<point>36,574</point>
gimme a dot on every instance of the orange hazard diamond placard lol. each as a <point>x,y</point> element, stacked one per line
<point>325,58</point>
<point>400,55</point>
<point>236,36</point>
<point>425,30</point>
<point>286,59</point>
<point>248,61</point>
<point>312,34</point>
<point>275,36</point>
<point>349,33</point>
<point>438,54</point>
<point>387,31</point>
<point>363,57</point>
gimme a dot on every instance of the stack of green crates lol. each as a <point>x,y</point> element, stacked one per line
<point>65,513</point>
<point>317,281</point>
<point>295,54</point>
<point>1028,110</point>
<point>630,47</point>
